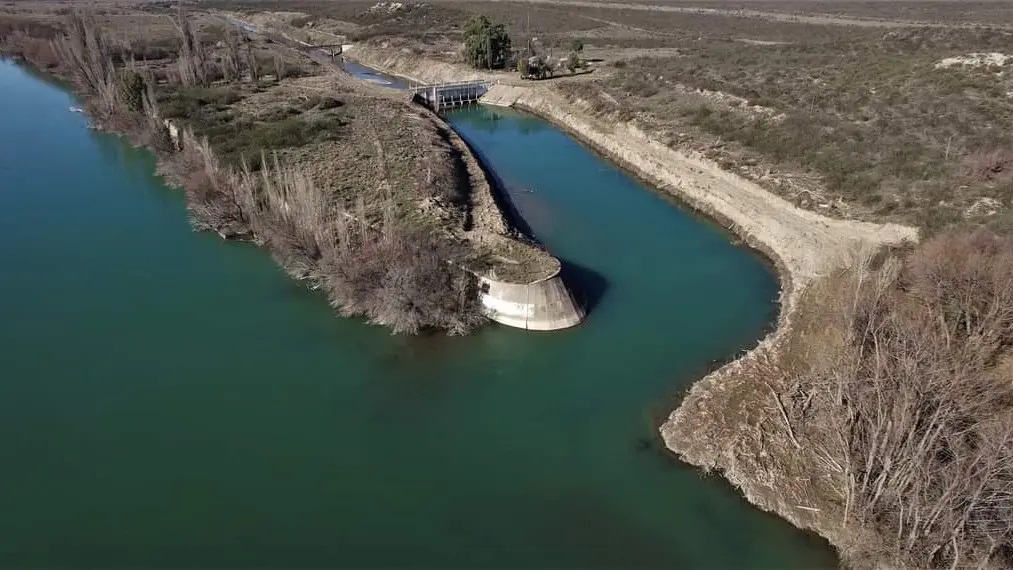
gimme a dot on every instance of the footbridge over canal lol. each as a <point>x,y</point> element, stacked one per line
<point>439,96</point>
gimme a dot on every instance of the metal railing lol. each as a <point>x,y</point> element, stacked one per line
<point>417,88</point>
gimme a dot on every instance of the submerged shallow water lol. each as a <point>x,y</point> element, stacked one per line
<point>167,398</point>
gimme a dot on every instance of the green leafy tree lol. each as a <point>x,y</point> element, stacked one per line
<point>131,90</point>
<point>486,45</point>
<point>576,45</point>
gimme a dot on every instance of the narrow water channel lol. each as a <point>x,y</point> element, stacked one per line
<point>170,399</point>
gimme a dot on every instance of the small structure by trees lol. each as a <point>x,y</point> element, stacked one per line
<point>486,45</point>
<point>533,67</point>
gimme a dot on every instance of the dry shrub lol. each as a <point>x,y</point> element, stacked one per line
<point>403,280</point>
<point>905,402</point>
<point>213,191</point>
<point>992,165</point>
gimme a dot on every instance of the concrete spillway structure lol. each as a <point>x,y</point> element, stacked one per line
<point>543,304</point>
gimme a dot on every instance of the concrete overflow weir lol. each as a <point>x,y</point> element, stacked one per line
<point>544,304</point>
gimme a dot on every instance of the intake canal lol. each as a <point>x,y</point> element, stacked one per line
<point>171,399</point>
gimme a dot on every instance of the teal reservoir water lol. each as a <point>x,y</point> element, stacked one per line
<point>171,399</point>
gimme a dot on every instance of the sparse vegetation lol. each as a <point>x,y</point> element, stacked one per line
<point>865,129</point>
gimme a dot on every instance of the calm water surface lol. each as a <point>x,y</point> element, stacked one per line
<point>170,399</point>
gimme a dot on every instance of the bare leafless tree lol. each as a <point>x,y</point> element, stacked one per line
<point>83,50</point>
<point>368,262</point>
<point>279,67</point>
<point>913,409</point>
<point>251,63</point>
<point>232,58</point>
<point>192,57</point>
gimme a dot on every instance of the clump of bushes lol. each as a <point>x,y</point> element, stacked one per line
<point>192,102</point>
<point>329,103</point>
<point>403,280</point>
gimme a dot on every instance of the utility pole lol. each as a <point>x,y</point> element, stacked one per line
<point>527,32</point>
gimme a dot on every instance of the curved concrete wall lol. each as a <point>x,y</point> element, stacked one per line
<point>543,305</point>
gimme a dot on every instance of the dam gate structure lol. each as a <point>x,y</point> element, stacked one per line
<point>439,96</point>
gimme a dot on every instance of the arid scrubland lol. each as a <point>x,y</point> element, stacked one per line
<point>868,127</point>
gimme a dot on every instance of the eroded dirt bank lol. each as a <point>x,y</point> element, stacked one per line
<point>803,244</point>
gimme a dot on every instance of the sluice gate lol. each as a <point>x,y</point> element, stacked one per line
<point>439,96</point>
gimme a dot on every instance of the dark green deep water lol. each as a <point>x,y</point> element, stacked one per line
<point>170,399</point>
